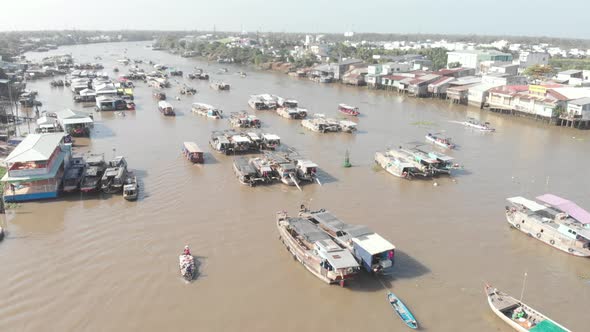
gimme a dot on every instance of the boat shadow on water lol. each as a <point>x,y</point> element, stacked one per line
<point>101,131</point>
<point>198,264</point>
<point>406,267</point>
<point>209,159</point>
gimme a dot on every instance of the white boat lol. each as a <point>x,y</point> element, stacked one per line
<point>306,170</point>
<point>244,120</point>
<point>348,126</point>
<point>518,315</point>
<point>557,222</point>
<point>207,110</point>
<point>130,188</point>
<point>166,108</point>
<point>321,125</point>
<point>394,165</point>
<point>292,113</point>
<point>482,126</point>
<point>443,142</point>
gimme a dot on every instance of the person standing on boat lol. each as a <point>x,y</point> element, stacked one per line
<point>187,251</point>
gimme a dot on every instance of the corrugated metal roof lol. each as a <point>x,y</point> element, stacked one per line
<point>35,147</point>
<point>581,101</point>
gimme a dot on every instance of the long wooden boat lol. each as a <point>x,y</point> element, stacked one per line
<point>402,311</point>
<point>472,123</point>
<point>315,250</point>
<point>443,142</point>
<point>518,315</point>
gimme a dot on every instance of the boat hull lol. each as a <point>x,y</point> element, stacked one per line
<point>402,311</point>
<point>543,233</point>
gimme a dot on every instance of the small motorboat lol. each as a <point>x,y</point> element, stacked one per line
<point>443,142</point>
<point>187,265</point>
<point>403,311</point>
<point>348,110</point>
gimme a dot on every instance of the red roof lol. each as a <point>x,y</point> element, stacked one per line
<point>445,72</point>
<point>395,77</point>
<point>441,80</point>
<point>508,89</point>
<point>556,95</point>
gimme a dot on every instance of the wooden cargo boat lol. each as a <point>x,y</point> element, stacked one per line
<point>373,252</point>
<point>557,222</point>
<point>518,315</point>
<point>245,172</point>
<point>114,176</point>
<point>95,168</point>
<point>73,176</point>
<point>315,250</point>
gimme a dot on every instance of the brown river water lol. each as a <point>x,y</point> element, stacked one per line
<point>99,263</point>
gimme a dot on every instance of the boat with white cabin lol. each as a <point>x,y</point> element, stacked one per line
<point>481,126</point>
<point>552,220</point>
<point>207,110</point>
<point>315,250</point>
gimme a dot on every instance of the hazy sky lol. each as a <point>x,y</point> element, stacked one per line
<point>566,18</point>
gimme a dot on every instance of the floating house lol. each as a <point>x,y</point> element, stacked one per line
<point>75,123</point>
<point>35,167</point>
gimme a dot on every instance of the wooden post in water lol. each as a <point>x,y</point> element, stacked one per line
<point>347,160</point>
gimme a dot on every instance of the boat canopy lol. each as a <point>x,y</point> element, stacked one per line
<point>373,243</point>
<point>253,136</point>
<point>192,147</point>
<point>240,139</point>
<point>566,206</point>
<point>336,256</point>
<point>531,205</point>
<point>307,164</point>
<point>547,326</point>
<point>271,137</point>
<point>307,230</point>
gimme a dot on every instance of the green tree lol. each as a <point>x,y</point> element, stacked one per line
<point>538,71</point>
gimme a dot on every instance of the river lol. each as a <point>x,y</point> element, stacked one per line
<point>99,263</point>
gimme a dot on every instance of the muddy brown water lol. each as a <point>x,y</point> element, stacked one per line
<point>99,263</point>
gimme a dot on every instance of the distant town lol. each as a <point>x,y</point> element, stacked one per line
<point>538,77</point>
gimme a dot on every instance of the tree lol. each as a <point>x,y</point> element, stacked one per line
<point>538,71</point>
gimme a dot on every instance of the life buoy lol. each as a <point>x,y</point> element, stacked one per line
<point>552,241</point>
<point>517,226</point>
<point>539,235</point>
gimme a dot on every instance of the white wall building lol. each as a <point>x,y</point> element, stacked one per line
<point>579,108</point>
<point>527,59</point>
